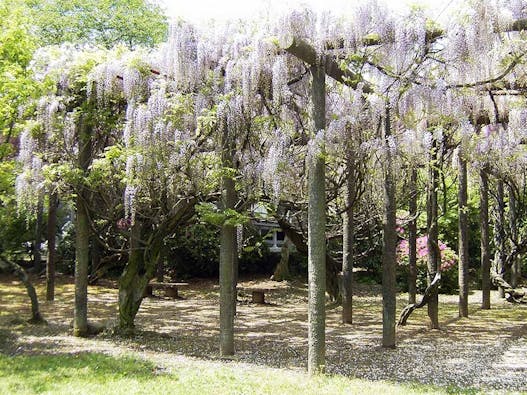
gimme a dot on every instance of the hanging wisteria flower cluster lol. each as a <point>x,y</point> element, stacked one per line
<point>171,104</point>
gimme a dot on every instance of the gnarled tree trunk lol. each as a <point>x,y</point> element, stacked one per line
<point>146,251</point>
<point>429,293</point>
<point>134,279</point>
<point>6,264</point>
<point>512,295</point>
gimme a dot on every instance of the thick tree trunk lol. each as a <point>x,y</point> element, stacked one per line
<point>412,238</point>
<point>82,245</point>
<point>37,246</point>
<point>227,252</point>
<point>463,236</point>
<point>433,236</point>
<point>499,234</point>
<point>36,317</point>
<point>513,219</point>
<point>348,240</point>
<point>146,250</point>
<point>485,245</point>
<point>317,234</point>
<point>51,236</point>
<point>134,279</point>
<point>389,261</point>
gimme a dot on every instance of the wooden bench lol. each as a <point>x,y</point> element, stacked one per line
<point>171,289</point>
<point>257,294</point>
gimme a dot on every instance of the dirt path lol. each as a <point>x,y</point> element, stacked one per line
<point>487,351</point>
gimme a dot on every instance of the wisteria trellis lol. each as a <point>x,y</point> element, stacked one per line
<point>436,80</point>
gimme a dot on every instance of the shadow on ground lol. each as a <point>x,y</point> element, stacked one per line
<point>486,351</point>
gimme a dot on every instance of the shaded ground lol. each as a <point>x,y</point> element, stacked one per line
<point>487,351</point>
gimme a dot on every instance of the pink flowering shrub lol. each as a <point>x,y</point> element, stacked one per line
<point>448,257</point>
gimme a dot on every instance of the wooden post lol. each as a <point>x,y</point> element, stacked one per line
<point>390,243</point>
<point>513,219</point>
<point>51,236</point>
<point>485,244</point>
<point>227,251</point>
<point>433,235</point>
<point>348,233</point>
<point>499,233</point>
<point>412,238</point>
<point>463,234</point>
<point>317,233</point>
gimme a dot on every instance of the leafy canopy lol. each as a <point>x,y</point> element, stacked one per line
<point>102,22</point>
<point>16,85</point>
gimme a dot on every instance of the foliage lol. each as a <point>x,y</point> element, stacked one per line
<point>14,232</point>
<point>211,214</point>
<point>16,84</point>
<point>99,22</point>
<point>194,251</point>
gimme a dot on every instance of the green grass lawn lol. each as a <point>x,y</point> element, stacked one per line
<point>93,373</point>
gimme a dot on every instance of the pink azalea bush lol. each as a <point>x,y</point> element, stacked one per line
<point>448,257</point>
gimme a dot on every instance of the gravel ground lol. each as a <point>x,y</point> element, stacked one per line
<point>487,352</point>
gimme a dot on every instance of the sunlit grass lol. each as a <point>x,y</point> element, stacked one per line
<point>92,373</point>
